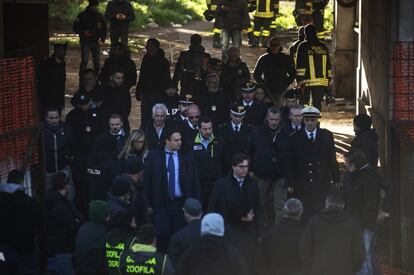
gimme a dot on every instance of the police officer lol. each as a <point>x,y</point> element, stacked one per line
<point>171,99</point>
<point>263,16</point>
<point>142,257</point>
<point>235,134</point>
<point>91,27</point>
<point>313,67</point>
<point>312,166</point>
<point>86,124</point>
<point>207,151</point>
<point>119,13</point>
<point>180,118</point>
<point>255,112</point>
<point>213,102</point>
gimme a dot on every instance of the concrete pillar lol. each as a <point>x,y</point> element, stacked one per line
<point>345,52</point>
<point>405,26</point>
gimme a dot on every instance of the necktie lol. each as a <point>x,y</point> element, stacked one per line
<point>171,175</point>
<point>311,138</point>
<point>296,128</point>
<point>236,128</point>
<point>240,183</point>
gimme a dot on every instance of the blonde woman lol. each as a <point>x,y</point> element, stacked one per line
<point>134,146</point>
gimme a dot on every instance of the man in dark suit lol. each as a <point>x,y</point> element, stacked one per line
<point>236,187</point>
<point>312,166</point>
<point>295,122</point>
<point>170,177</point>
<point>154,129</point>
<point>255,112</point>
<point>235,135</point>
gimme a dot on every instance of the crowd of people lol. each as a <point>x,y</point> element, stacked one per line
<point>225,175</point>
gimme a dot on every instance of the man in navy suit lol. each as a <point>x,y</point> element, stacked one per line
<point>312,169</point>
<point>170,177</point>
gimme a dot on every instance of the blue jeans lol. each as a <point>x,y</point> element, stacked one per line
<point>95,50</point>
<point>60,264</point>
<point>370,265</point>
<point>226,35</point>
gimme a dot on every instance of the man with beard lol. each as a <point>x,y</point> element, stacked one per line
<point>153,78</point>
<point>116,98</point>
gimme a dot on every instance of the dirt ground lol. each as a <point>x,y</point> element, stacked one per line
<point>337,117</point>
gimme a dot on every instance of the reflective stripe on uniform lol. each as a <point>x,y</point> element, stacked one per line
<point>216,30</point>
<point>324,65</point>
<point>316,82</point>
<point>311,67</point>
<point>266,33</point>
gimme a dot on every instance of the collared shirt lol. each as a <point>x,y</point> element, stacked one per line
<point>183,118</point>
<point>120,133</point>
<point>294,126</point>
<point>205,142</point>
<point>247,103</point>
<point>191,125</point>
<point>309,136</point>
<point>178,192</point>
<point>159,130</point>
<point>240,181</point>
<point>234,126</point>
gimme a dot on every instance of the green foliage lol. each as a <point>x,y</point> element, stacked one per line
<point>285,19</point>
<point>162,12</point>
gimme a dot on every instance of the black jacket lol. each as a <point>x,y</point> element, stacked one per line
<point>279,248</point>
<point>154,76</point>
<point>190,68</point>
<point>10,263</point>
<point>117,240</point>
<point>95,94</point>
<point>172,105</point>
<point>57,146</point>
<point>124,62</point>
<point>276,71</point>
<point>366,141</point>
<point>115,7</point>
<point>233,142</point>
<point>155,178</point>
<point>51,77</point>
<point>116,205</point>
<point>268,153</point>
<point>227,192</point>
<point>90,247</point>
<point>182,240</point>
<point>364,188</point>
<point>93,22</point>
<point>312,168</point>
<point>232,78</point>
<point>212,255</point>
<point>151,137</point>
<point>208,161</point>
<point>332,241</point>
<point>242,236</point>
<point>63,222</point>
<point>214,105</point>
<point>234,14</point>
<point>86,126</point>
<point>21,215</point>
<point>255,114</point>
<point>115,100</point>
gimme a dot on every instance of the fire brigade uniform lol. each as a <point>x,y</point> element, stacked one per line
<point>263,16</point>
<point>273,23</point>
<point>212,11</point>
<point>251,6</point>
<point>303,12</point>
<point>313,68</point>
<point>318,16</point>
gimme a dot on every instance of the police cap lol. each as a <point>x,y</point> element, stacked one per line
<point>249,87</point>
<point>186,98</point>
<point>311,112</point>
<point>238,109</point>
